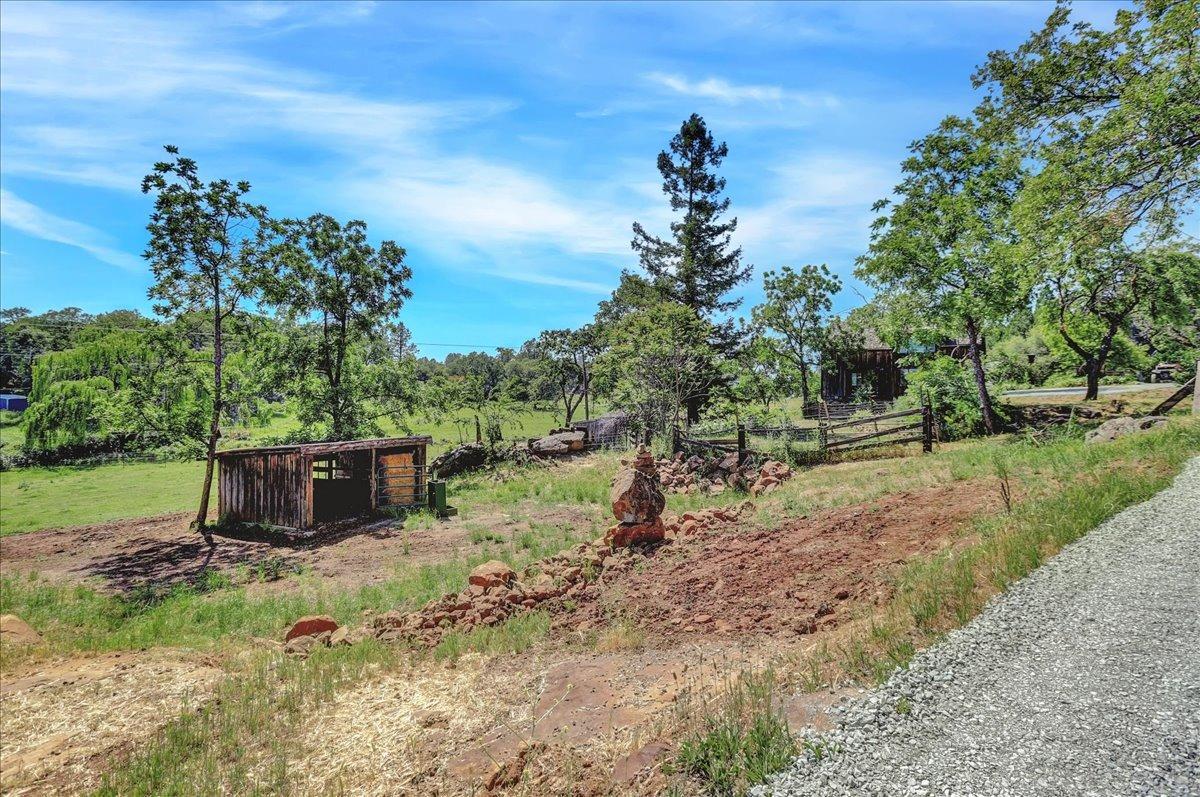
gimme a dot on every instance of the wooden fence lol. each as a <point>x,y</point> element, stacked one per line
<point>828,436</point>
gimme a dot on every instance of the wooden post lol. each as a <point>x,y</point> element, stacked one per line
<point>741,434</point>
<point>822,434</point>
<point>675,440</point>
<point>648,437</point>
<point>374,481</point>
<point>926,428</point>
<point>1196,391</point>
<point>478,431</point>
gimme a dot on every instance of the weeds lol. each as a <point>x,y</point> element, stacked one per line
<point>742,740</point>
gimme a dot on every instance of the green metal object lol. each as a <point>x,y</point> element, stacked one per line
<point>437,500</point>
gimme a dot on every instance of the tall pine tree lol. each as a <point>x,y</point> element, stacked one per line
<point>698,265</point>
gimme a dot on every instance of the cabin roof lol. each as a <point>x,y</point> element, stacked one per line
<point>333,447</point>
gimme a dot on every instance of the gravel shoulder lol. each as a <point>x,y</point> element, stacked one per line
<point>1083,679</point>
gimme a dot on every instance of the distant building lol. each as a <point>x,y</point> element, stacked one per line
<point>13,402</point>
<point>874,368</point>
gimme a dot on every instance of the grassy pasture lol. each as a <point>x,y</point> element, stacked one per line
<point>54,497</point>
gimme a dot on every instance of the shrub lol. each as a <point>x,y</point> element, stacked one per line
<point>949,388</point>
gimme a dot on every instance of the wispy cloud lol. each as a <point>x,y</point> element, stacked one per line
<point>32,220</point>
<point>714,88</point>
<point>172,84</point>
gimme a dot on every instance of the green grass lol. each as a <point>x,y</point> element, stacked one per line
<point>54,497</point>
<point>742,738</point>
<point>40,498</point>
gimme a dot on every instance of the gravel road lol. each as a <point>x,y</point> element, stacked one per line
<point>1082,679</point>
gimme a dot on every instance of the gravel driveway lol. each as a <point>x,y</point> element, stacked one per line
<point>1083,679</point>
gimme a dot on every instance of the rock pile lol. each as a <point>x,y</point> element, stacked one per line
<point>496,592</point>
<point>713,475</point>
<point>314,631</point>
<point>637,504</point>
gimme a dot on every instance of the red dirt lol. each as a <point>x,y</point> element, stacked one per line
<point>162,551</point>
<point>785,582</point>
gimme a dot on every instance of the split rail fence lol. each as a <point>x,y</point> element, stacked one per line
<point>829,436</point>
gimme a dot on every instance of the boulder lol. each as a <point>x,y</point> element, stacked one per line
<point>559,443</point>
<point>492,574</point>
<point>635,497</point>
<point>730,462</point>
<point>301,646</point>
<point>623,535</point>
<point>1119,427</point>
<point>15,631</point>
<point>311,626</point>
<point>460,460</point>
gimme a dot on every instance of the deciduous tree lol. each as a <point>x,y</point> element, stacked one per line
<point>206,252</point>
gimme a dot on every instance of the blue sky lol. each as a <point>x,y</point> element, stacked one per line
<point>508,148</point>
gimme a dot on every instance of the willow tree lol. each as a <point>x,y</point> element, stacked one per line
<point>206,252</point>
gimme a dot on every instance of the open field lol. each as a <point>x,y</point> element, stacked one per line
<point>833,579</point>
<point>53,497</point>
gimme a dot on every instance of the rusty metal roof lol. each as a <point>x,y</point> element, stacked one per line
<point>333,447</point>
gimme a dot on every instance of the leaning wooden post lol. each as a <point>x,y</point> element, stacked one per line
<point>926,428</point>
<point>1196,391</point>
<point>741,434</point>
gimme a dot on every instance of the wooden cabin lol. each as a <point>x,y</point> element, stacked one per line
<point>875,367</point>
<point>301,486</point>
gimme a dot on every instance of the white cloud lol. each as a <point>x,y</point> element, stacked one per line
<point>714,88</point>
<point>818,202</point>
<point>103,87</point>
<point>32,220</point>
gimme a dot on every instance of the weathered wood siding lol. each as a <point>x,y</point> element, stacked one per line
<point>271,488</point>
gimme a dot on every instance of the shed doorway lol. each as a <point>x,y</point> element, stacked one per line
<point>341,485</point>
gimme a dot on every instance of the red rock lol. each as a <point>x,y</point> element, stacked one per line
<point>491,574</point>
<point>623,535</point>
<point>635,497</point>
<point>311,626</point>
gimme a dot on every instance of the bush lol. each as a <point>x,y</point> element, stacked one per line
<point>949,387</point>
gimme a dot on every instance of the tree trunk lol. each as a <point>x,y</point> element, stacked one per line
<point>803,382</point>
<point>985,400</point>
<point>1092,372</point>
<point>694,403</point>
<point>214,429</point>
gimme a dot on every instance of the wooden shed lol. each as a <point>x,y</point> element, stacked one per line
<point>301,486</point>
<point>876,367</point>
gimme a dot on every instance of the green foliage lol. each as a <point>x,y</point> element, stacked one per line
<point>658,360</point>
<point>947,385</point>
<point>137,385</point>
<point>795,315</point>
<point>948,242</point>
<point>1111,115</point>
<point>350,365</point>
<point>697,266</point>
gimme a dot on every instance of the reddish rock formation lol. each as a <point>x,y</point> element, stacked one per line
<point>311,626</point>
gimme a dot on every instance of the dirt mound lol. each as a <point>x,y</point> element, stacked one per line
<point>734,580</point>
